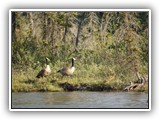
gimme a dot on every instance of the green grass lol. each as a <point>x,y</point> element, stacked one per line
<point>87,77</point>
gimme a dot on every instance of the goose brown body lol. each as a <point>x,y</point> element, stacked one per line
<point>67,71</point>
<point>45,71</point>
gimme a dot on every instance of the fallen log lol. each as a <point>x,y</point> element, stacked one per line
<point>135,86</point>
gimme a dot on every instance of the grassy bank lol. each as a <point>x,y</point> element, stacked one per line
<point>86,78</point>
<point>109,47</point>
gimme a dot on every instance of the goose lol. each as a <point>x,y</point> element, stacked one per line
<point>67,71</point>
<point>45,71</point>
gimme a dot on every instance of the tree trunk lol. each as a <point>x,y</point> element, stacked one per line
<point>13,26</point>
<point>65,30</point>
<point>52,36</point>
<point>101,26</point>
<point>79,28</point>
<point>44,26</point>
<point>31,25</point>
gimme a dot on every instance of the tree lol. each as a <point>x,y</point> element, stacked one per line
<point>80,18</point>
<point>13,25</point>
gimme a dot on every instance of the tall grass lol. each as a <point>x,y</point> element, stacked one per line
<point>96,75</point>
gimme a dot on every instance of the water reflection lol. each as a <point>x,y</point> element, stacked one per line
<point>80,100</point>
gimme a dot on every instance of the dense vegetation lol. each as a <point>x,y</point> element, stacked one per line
<point>110,47</point>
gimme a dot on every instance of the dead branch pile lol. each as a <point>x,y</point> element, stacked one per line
<point>136,86</point>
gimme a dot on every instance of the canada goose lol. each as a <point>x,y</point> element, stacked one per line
<point>67,71</point>
<point>45,71</point>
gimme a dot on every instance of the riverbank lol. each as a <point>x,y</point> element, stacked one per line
<point>26,82</point>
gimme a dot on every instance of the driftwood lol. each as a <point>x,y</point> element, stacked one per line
<point>134,86</point>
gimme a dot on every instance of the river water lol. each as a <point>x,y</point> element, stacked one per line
<point>80,100</point>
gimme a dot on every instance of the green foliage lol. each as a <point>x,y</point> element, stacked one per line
<point>112,47</point>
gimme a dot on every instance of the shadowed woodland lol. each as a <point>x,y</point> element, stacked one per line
<point>111,50</point>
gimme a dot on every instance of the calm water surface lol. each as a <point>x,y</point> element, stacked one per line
<point>80,100</point>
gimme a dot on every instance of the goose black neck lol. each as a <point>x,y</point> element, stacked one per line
<point>72,62</point>
<point>46,61</point>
